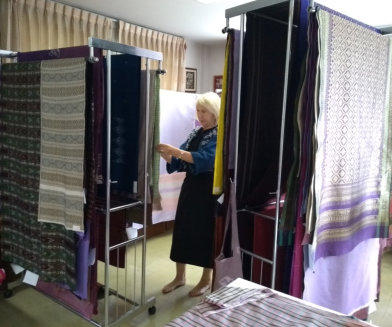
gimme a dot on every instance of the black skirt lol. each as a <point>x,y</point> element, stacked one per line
<point>193,234</point>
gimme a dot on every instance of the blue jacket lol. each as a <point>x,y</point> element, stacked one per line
<point>203,158</point>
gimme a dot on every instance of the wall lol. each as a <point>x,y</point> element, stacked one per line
<point>208,59</point>
<point>213,64</point>
<point>194,59</point>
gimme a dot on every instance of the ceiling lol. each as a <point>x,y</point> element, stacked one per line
<point>201,22</point>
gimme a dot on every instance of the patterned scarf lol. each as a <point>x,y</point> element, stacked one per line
<point>353,160</point>
<point>45,249</point>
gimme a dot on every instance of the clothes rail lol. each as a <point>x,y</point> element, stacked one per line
<point>113,48</point>
<point>273,19</point>
<point>385,30</point>
<point>7,54</point>
<point>241,11</point>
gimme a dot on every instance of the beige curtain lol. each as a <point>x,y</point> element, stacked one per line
<point>29,25</point>
<point>172,47</point>
<point>4,23</point>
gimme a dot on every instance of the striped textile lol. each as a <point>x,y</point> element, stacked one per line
<point>169,189</point>
<point>274,310</point>
<point>63,92</point>
<point>353,159</point>
<point>231,297</point>
<point>45,249</point>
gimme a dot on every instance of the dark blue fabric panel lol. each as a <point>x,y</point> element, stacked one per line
<point>125,122</point>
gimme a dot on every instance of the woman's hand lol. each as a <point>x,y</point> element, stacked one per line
<point>167,149</point>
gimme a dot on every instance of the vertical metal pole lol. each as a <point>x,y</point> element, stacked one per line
<point>117,289</point>
<point>261,271</point>
<point>146,179</point>
<point>108,177</point>
<point>134,275</point>
<point>237,132</point>
<point>251,268</point>
<point>125,279</point>
<point>91,53</point>
<point>282,129</point>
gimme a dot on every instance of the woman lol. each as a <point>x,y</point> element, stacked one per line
<point>193,234</point>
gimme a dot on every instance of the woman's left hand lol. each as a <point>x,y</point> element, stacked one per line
<point>167,149</point>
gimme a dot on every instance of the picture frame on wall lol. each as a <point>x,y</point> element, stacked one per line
<point>218,82</point>
<point>190,80</point>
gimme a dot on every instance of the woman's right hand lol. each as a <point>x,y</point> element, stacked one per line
<point>164,154</point>
<point>167,157</point>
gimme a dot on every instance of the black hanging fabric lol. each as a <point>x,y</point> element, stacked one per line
<point>264,57</point>
<point>125,123</point>
<point>261,109</point>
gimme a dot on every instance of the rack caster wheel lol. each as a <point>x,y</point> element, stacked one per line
<point>8,293</point>
<point>152,310</point>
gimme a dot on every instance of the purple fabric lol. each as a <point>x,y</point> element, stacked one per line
<point>71,52</point>
<point>96,176</point>
<point>82,263</point>
<point>329,249</point>
<point>297,270</point>
<point>349,172</point>
<point>354,220</point>
<point>349,203</point>
<point>345,283</point>
<point>55,291</point>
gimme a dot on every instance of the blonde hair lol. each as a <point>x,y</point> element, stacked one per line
<point>210,101</point>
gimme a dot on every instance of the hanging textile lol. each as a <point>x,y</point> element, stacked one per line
<point>82,260</point>
<point>352,183</point>
<point>345,283</point>
<point>153,164</point>
<point>218,166</point>
<point>293,216</point>
<point>177,109</point>
<point>93,150</point>
<point>63,101</point>
<point>45,249</point>
<point>156,158</point>
<point>263,73</point>
<point>125,123</point>
<point>232,96</point>
<point>96,95</point>
<point>261,110</point>
<point>93,166</point>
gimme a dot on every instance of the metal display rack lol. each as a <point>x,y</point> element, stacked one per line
<point>129,306</point>
<point>241,11</point>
